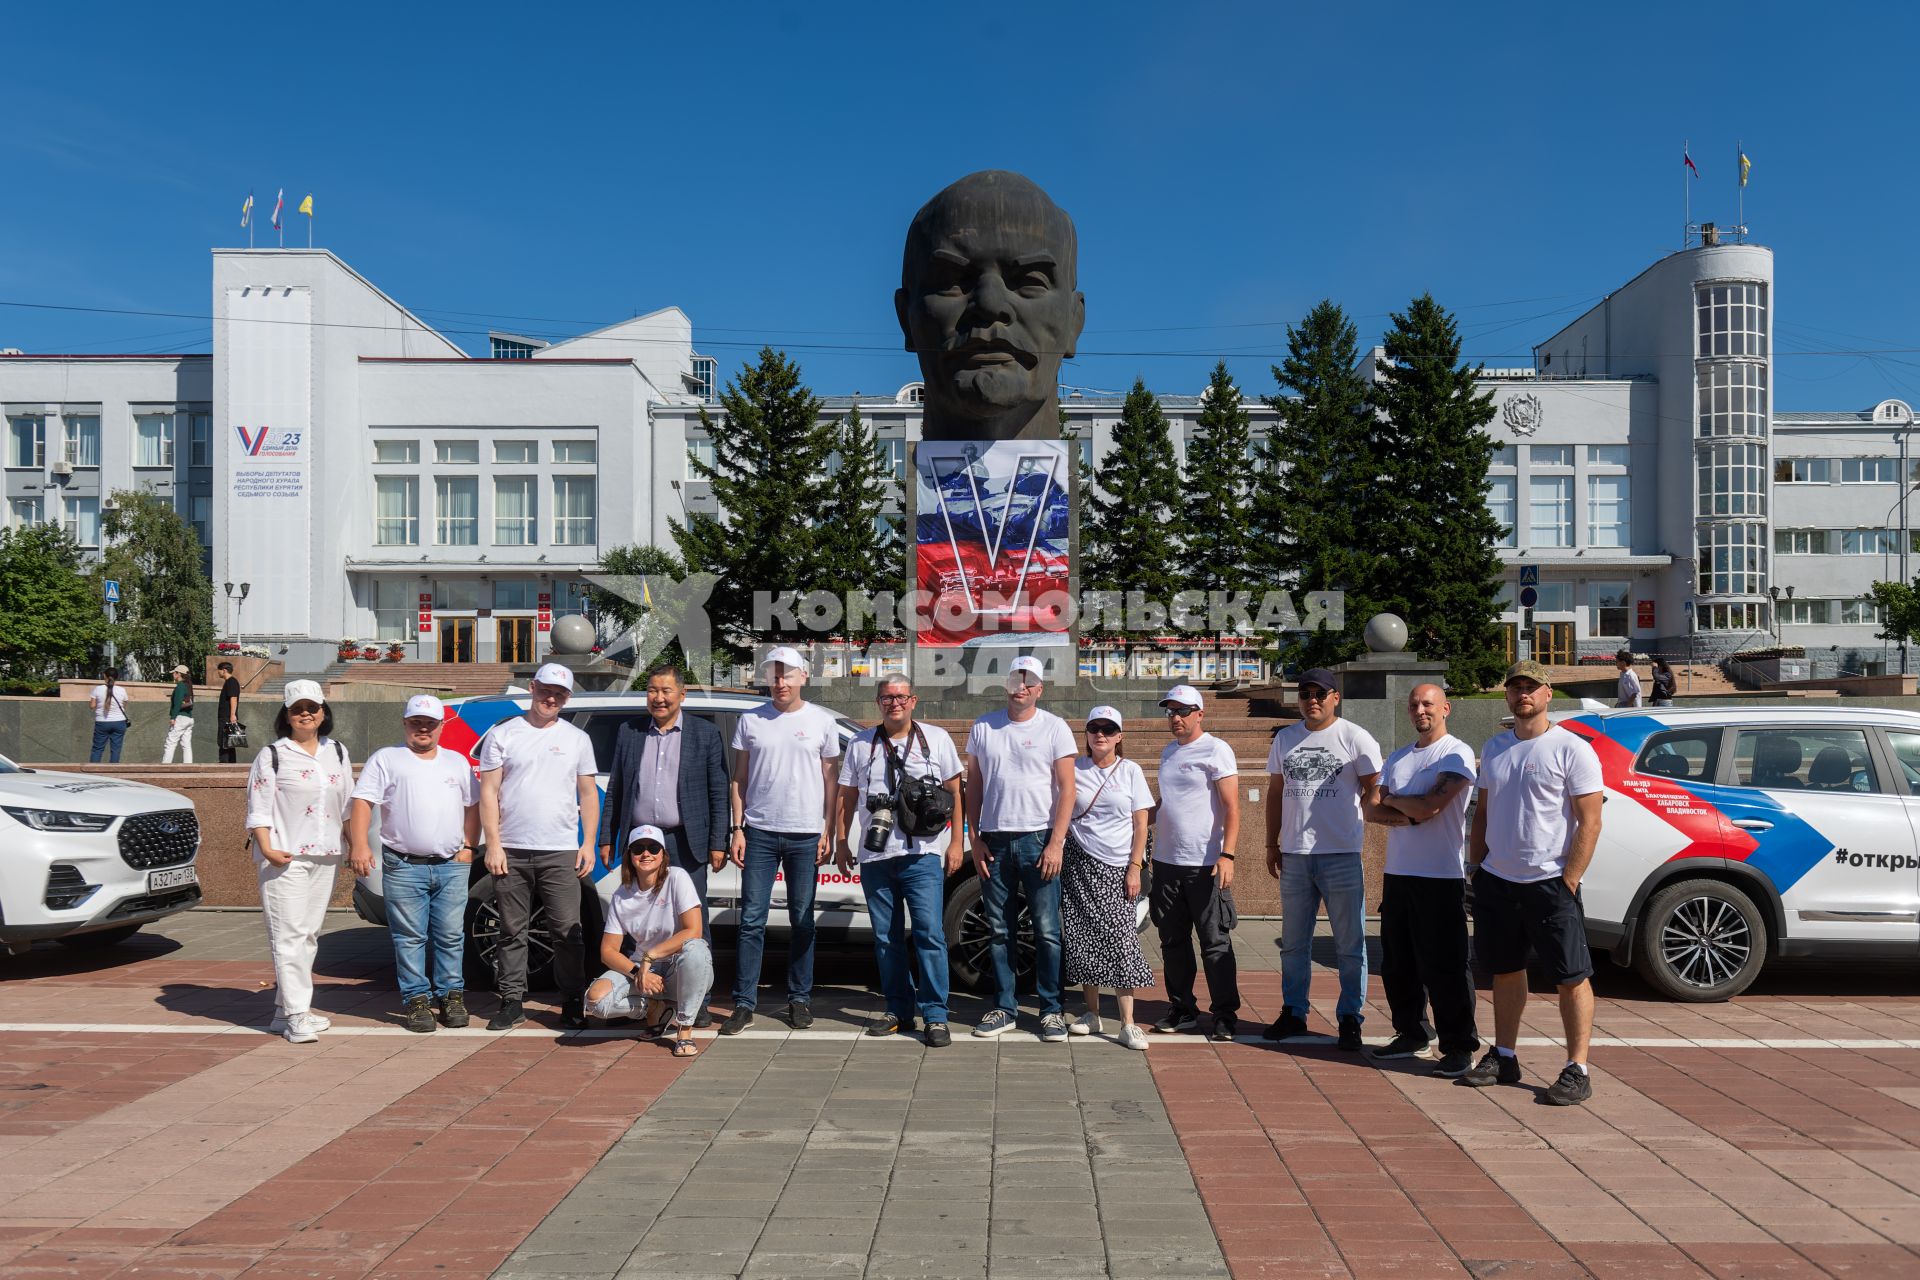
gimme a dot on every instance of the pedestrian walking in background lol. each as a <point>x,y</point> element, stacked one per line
<point>232,735</point>
<point>1534,832</point>
<point>652,948</point>
<point>1320,773</point>
<point>670,772</point>
<point>1629,688</point>
<point>429,824</point>
<point>1020,795</point>
<point>1100,875</point>
<point>902,781</point>
<point>180,718</point>
<point>1663,683</point>
<point>783,797</point>
<point>1424,790</point>
<point>539,791</point>
<point>109,701</point>
<point>1195,832</point>
<point>297,796</point>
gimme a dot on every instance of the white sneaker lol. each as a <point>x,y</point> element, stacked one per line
<point>300,1030</point>
<point>1087,1024</point>
<point>1133,1037</point>
<point>315,1022</point>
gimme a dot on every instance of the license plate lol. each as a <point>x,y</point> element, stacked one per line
<point>171,878</point>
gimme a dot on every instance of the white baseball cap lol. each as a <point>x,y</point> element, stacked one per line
<point>554,674</point>
<point>1029,664</point>
<point>304,691</point>
<point>425,705</point>
<point>1184,695</point>
<point>1106,713</point>
<point>647,831</point>
<point>787,656</point>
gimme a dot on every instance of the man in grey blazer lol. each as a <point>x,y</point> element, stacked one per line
<point>670,772</point>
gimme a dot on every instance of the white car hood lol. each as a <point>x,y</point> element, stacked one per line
<point>85,793</point>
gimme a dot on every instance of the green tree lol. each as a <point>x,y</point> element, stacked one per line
<point>1215,533</point>
<point>858,549</point>
<point>1899,606</point>
<point>51,616</point>
<point>1127,531</point>
<point>1435,539</point>
<point>770,449</point>
<point>1312,480</point>
<point>166,604</point>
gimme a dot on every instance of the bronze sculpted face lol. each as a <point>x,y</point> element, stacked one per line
<point>987,301</point>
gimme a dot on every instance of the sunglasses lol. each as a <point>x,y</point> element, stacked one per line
<point>421,725</point>
<point>1314,693</point>
<point>1103,731</point>
<point>896,697</point>
<point>303,709</point>
<point>645,851</point>
<point>1181,713</point>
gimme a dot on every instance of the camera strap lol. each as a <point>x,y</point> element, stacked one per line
<point>896,763</point>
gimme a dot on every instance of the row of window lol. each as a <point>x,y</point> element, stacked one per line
<point>1840,470</point>
<point>80,514</point>
<point>1733,559</point>
<point>1540,456</point>
<point>1550,510</point>
<point>1818,612</point>
<point>1732,398</point>
<point>1731,319</point>
<point>467,452</point>
<point>77,439</point>
<point>456,522</point>
<point>1842,542</point>
<point>1732,479</point>
<point>1608,606</point>
<point>395,602</point>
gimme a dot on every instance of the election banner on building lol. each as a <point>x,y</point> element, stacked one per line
<point>268,453</point>
<point>992,526</point>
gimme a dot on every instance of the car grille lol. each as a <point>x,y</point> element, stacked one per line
<point>149,840</point>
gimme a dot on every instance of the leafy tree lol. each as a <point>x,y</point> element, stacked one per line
<point>1215,533</point>
<point>1312,480</point>
<point>166,604</point>
<point>770,452</point>
<point>1127,531</point>
<point>857,549</point>
<point>51,616</point>
<point>1435,539</point>
<point>1899,605</point>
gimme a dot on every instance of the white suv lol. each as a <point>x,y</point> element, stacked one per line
<point>1731,836</point>
<point>89,859</point>
<point>839,904</point>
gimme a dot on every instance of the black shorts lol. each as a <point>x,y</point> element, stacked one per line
<point>1508,916</point>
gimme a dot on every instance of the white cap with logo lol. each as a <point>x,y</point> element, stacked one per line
<point>1106,713</point>
<point>554,674</point>
<point>1182,695</point>
<point>1029,664</point>
<point>647,831</point>
<point>787,656</point>
<point>303,691</point>
<point>425,706</point>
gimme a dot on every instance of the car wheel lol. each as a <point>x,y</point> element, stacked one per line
<point>99,939</point>
<point>484,933</point>
<point>1700,940</point>
<point>968,939</point>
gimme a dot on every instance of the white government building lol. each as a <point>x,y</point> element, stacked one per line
<point>367,478</point>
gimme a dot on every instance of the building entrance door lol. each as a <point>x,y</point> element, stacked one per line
<point>1553,643</point>
<point>514,639</point>
<point>456,639</point>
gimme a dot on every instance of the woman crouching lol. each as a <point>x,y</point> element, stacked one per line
<point>658,908</point>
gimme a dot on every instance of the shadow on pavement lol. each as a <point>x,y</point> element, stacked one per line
<point>56,959</point>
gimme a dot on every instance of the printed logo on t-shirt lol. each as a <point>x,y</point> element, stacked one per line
<point>1311,764</point>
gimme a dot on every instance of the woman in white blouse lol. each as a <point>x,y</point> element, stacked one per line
<point>1100,878</point>
<point>298,793</point>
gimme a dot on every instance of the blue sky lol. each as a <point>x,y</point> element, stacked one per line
<point>552,168</point>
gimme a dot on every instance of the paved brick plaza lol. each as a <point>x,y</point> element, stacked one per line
<point>149,1131</point>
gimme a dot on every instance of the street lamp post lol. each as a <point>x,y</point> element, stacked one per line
<point>239,609</point>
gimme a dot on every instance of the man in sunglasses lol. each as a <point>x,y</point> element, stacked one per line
<point>1322,776</point>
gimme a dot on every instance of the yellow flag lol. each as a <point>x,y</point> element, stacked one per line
<point>306,206</point>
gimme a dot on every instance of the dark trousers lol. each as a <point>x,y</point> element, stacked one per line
<point>694,862</point>
<point>545,876</point>
<point>1185,901</point>
<point>1423,957</point>
<point>228,755</point>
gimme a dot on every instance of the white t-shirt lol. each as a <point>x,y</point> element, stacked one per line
<point>1320,786</point>
<point>1530,788</point>
<point>651,918</point>
<point>1016,768</point>
<point>1104,827</point>
<point>865,770</point>
<point>1436,848</point>
<point>423,802</point>
<point>541,768</point>
<point>784,788</point>
<point>1629,688</point>
<point>1192,824</point>
<point>104,713</point>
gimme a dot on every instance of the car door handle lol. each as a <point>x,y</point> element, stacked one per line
<point>1753,824</point>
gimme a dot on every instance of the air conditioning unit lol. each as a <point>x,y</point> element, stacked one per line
<point>62,470</point>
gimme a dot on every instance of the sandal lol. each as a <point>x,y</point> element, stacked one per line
<point>684,1045</point>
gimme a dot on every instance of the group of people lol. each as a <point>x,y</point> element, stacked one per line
<point>110,720</point>
<point>1064,831</point>
<point>1629,692</point>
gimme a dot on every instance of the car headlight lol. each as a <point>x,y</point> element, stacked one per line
<point>60,819</point>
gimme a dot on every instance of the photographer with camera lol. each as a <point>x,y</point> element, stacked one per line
<point>903,779</point>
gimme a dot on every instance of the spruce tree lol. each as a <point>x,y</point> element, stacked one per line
<point>1215,535</point>
<point>1127,530</point>
<point>770,450</point>
<point>1314,485</point>
<point>1436,538</point>
<point>858,550</point>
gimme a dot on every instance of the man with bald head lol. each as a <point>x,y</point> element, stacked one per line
<point>1424,789</point>
<point>987,301</point>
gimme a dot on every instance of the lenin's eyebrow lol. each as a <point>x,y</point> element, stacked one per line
<point>1036,260</point>
<point>950,256</point>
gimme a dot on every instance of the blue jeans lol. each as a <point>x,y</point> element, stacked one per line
<point>107,735</point>
<point>1307,880</point>
<point>792,854</point>
<point>1016,869</point>
<point>912,958</point>
<point>426,902</point>
<point>685,977</point>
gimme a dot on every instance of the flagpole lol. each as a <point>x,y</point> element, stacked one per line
<point>1740,154</point>
<point>1686,195</point>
